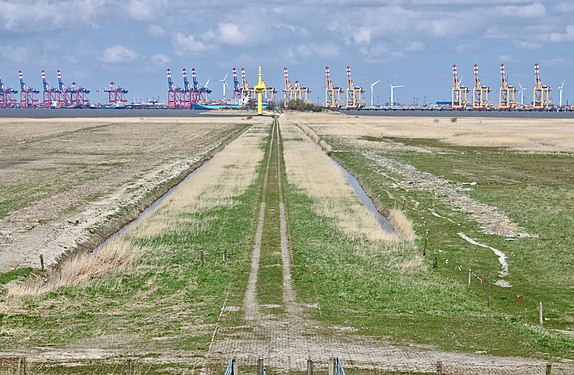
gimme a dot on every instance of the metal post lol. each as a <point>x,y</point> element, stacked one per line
<point>41,262</point>
<point>549,368</point>
<point>309,366</point>
<point>235,366</point>
<point>128,367</point>
<point>202,257</point>
<point>469,273</point>
<point>260,369</point>
<point>488,302</point>
<point>332,366</point>
<point>541,314</point>
<point>439,368</point>
<point>225,256</point>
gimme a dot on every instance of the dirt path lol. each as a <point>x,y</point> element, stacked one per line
<point>288,339</point>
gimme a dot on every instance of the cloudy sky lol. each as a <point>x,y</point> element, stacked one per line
<point>410,42</point>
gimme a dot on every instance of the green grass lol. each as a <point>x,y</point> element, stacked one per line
<point>270,276</point>
<point>436,306</point>
<point>16,274</point>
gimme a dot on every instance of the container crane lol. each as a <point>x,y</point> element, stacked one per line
<point>507,96</point>
<point>7,98</point>
<point>245,89</point>
<point>294,91</point>
<point>174,93</point>
<point>237,88</point>
<point>332,92</point>
<point>50,95</point>
<point>479,92</point>
<point>77,95</point>
<point>354,97</point>
<point>115,95</point>
<point>541,92</point>
<point>27,94</point>
<point>187,95</point>
<point>63,99</point>
<point>200,92</point>
<point>459,92</point>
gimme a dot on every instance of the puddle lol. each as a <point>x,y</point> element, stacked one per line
<point>149,209</point>
<point>365,200</point>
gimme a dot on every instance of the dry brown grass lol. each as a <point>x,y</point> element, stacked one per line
<point>536,135</point>
<point>312,171</point>
<point>217,184</point>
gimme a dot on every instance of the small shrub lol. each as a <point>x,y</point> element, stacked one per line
<point>454,120</point>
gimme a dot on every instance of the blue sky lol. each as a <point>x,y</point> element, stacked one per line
<point>410,42</point>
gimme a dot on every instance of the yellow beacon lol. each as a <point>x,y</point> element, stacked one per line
<point>259,88</point>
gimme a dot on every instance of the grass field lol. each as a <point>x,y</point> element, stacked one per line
<point>153,300</point>
<point>437,306</point>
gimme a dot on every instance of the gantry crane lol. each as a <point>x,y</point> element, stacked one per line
<point>7,98</point>
<point>62,94</point>
<point>200,92</point>
<point>245,89</point>
<point>50,95</point>
<point>174,93</point>
<point>72,96</point>
<point>332,92</point>
<point>187,96</point>
<point>541,92</point>
<point>479,92</point>
<point>115,94</point>
<point>27,94</point>
<point>294,91</point>
<point>236,96</point>
<point>507,99</point>
<point>354,97</point>
<point>459,92</point>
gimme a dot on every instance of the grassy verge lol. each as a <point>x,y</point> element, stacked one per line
<point>270,276</point>
<point>437,306</point>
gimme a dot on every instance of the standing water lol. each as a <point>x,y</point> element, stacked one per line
<point>365,200</point>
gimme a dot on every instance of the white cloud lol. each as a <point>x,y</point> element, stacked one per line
<point>145,10</point>
<point>156,30</point>
<point>188,44</point>
<point>558,62</point>
<point>230,33</point>
<point>160,59</point>
<point>567,36</point>
<point>16,54</point>
<point>118,54</point>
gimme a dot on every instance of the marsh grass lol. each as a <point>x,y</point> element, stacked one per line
<point>410,301</point>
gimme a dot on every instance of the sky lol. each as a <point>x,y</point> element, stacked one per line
<point>400,42</point>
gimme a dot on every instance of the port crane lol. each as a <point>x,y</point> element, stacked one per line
<point>459,92</point>
<point>115,94</point>
<point>245,89</point>
<point>7,98</point>
<point>50,95</point>
<point>27,94</point>
<point>237,88</point>
<point>174,93</point>
<point>541,92</point>
<point>332,92</point>
<point>354,94</point>
<point>200,92</point>
<point>187,96</point>
<point>479,92</point>
<point>294,91</point>
<point>507,95</point>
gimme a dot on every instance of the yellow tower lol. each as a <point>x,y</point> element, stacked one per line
<point>259,88</point>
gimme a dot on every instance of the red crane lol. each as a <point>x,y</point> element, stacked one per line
<point>27,94</point>
<point>7,98</point>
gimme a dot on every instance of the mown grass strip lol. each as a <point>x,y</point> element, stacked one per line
<point>270,278</point>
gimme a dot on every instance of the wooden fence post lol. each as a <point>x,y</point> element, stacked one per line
<point>202,257</point>
<point>488,301</point>
<point>225,256</point>
<point>21,366</point>
<point>549,368</point>
<point>541,314</point>
<point>41,262</point>
<point>439,368</point>
<point>128,367</point>
<point>309,366</point>
<point>332,365</point>
<point>469,275</point>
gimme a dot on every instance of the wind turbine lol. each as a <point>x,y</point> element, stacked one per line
<point>522,89</point>
<point>561,88</point>
<point>393,87</point>
<point>224,82</point>
<point>372,88</point>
